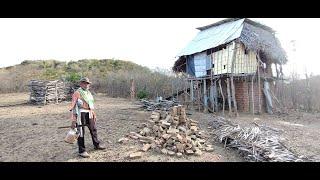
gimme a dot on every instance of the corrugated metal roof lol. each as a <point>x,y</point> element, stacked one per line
<point>213,37</point>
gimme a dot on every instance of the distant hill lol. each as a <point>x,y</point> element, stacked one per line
<point>108,75</point>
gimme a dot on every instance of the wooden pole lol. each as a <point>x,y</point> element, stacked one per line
<point>223,102</point>
<point>191,94</point>
<point>205,102</point>
<point>229,95</point>
<point>56,93</point>
<point>132,92</point>
<point>215,95</point>
<point>185,92</point>
<point>211,94</point>
<point>45,94</point>
<point>231,78</point>
<point>259,88</point>
<point>198,91</point>
<point>252,92</point>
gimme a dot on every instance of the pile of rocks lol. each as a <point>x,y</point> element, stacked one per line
<point>171,133</point>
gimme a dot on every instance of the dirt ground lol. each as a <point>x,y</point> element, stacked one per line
<point>30,133</point>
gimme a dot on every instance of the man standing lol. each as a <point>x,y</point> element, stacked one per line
<point>83,114</point>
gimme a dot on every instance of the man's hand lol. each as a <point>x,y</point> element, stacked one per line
<point>73,124</point>
<point>94,117</point>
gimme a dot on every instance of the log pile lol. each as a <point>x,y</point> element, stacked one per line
<point>172,133</point>
<point>256,144</point>
<point>46,92</point>
<point>163,105</point>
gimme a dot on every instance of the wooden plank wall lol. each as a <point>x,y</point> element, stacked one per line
<point>245,63</point>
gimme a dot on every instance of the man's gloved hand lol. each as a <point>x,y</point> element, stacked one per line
<point>73,124</point>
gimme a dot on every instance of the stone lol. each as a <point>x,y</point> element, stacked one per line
<point>160,129</point>
<point>123,140</point>
<point>164,151</point>
<point>146,147</point>
<point>209,127</point>
<point>179,154</point>
<point>189,152</point>
<point>135,155</point>
<point>201,140</point>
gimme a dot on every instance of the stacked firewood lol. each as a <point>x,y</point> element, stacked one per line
<point>163,105</point>
<point>46,92</point>
<point>172,133</point>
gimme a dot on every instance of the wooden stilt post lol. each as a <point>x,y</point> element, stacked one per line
<point>223,102</point>
<point>259,88</point>
<point>215,90</point>
<point>198,91</point>
<point>252,92</point>
<point>231,78</point>
<point>185,92</point>
<point>191,94</point>
<point>205,102</point>
<point>229,95</point>
<point>211,94</point>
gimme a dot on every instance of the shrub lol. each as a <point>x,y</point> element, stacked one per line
<point>142,94</point>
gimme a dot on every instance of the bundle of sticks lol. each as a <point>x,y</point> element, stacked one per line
<point>163,105</point>
<point>255,143</point>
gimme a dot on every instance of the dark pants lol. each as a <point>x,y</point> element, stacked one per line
<point>93,131</point>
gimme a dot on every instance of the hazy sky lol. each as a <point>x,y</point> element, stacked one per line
<point>148,42</point>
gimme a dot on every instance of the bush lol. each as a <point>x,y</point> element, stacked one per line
<point>73,77</point>
<point>142,94</point>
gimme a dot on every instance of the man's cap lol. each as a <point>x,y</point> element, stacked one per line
<point>85,79</point>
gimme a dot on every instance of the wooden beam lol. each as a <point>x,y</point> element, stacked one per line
<point>56,94</point>
<point>229,95</point>
<point>205,102</point>
<point>191,94</point>
<point>252,97</point>
<point>215,95</point>
<point>223,102</point>
<point>259,88</point>
<point>231,78</point>
<point>211,93</point>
